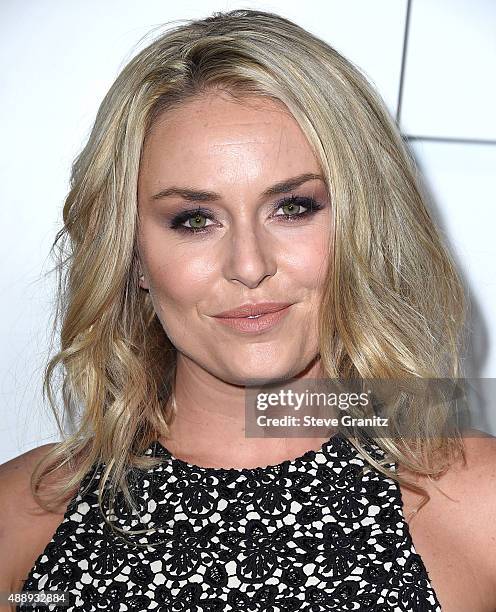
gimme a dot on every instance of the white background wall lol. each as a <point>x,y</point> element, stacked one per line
<point>57,60</point>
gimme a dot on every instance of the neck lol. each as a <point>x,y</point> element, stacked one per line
<point>209,424</point>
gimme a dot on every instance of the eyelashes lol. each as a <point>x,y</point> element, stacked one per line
<point>293,202</point>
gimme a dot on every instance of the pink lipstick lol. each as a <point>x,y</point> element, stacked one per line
<point>253,318</point>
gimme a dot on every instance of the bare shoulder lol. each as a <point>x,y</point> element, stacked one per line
<point>474,484</point>
<point>476,475</point>
<point>474,479</point>
<point>469,487</point>
<point>14,468</point>
<point>15,476</point>
<point>459,521</point>
<point>25,527</point>
<point>480,449</point>
<point>455,531</point>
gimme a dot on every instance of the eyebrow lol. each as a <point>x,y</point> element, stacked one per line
<point>194,195</point>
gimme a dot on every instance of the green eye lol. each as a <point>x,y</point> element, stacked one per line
<point>195,222</point>
<point>290,207</point>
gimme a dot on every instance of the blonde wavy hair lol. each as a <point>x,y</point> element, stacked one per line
<point>394,306</point>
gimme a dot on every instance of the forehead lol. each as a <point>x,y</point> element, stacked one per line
<point>215,135</point>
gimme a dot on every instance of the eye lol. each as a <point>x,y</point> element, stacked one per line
<point>293,206</point>
<point>193,221</point>
<point>198,221</point>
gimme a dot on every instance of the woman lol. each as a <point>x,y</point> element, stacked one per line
<point>240,163</point>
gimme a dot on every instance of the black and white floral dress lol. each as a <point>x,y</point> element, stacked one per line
<point>317,534</point>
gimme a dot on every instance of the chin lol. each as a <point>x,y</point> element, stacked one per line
<point>261,374</point>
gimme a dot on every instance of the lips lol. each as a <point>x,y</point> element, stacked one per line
<point>255,324</point>
<point>252,310</point>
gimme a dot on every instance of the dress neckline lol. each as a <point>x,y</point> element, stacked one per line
<point>309,455</point>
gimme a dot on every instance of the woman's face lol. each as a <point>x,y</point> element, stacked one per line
<point>240,248</point>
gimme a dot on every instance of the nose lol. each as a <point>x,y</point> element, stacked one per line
<point>251,256</point>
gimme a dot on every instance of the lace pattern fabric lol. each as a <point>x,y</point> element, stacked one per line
<point>318,533</point>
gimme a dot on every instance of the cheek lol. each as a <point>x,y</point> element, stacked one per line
<point>177,286</point>
<point>180,280</point>
<point>307,259</point>
<point>175,274</point>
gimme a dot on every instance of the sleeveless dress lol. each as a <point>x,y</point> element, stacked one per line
<point>316,534</point>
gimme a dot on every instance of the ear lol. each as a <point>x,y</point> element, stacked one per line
<point>142,281</point>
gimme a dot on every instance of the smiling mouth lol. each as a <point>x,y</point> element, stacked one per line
<point>254,324</point>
